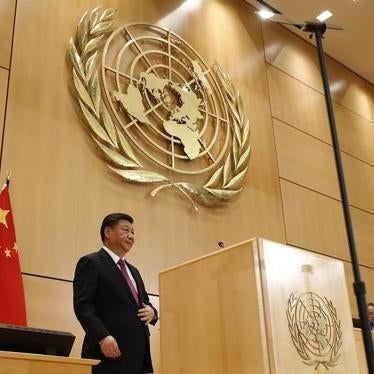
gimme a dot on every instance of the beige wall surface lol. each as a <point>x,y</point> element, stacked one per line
<point>61,187</point>
<point>310,197</point>
<point>7,14</point>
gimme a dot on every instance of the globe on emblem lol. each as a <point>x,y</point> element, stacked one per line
<point>315,329</point>
<point>315,324</point>
<point>166,100</point>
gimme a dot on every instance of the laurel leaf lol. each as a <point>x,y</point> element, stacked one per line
<point>225,81</point>
<point>245,133</point>
<point>224,194</point>
<point>237,133</point>
<point>201,195</point>
<point>140,176</point>
<point>109,126</point>
<point>235,153</point>
<point>241,109</point>
<point>94,16</point>
<point>127,148</point>
<point>116,157</point>
<point>215,177</point>
<point>244,158</point>
<point>101,27</point>
<point>82,31</point>
<point>238,98</point>
<point>94,124</point>
<point>229,92</point>
<point>82,91</point>
<point>95,93</point>
<point>234,113</point>
<point>227,170</point>
<point>90,66</point>
<point>108,14</point>
<point>93,44</point>
<point>237,180</point>
<point>75,58</point>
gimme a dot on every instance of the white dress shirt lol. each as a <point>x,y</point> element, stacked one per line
<point>115,258</point>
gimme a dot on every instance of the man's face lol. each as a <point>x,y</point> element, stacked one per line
<point>120,238</point>
<point>371,313</point>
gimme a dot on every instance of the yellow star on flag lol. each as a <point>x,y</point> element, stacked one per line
<point>7,252</point>
<point>15,247</point>
<point>3,214</point>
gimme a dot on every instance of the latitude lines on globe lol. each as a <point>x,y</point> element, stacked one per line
<point>314,327</point>
<point>194,108</point>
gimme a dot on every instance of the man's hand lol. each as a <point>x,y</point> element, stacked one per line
<point>146,314</point>
<point>109,347</point>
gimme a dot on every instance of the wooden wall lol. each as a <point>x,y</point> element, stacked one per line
<point>61,189</point>
<point>311,200</point>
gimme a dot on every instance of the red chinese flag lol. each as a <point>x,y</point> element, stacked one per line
<point>12,298</point>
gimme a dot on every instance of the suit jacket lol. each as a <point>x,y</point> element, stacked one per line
<point>104,306</point>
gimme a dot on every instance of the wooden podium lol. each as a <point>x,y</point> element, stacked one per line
<point>25,363</point>
<point>257,308</point>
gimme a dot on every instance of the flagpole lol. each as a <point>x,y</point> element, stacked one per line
<point>8,175</point>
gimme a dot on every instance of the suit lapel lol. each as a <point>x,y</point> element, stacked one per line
<point>116,272</point>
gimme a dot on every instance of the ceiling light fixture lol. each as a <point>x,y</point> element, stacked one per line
<point>324,16</point>
<point>265,14</point>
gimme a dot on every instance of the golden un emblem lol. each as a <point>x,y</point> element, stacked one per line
<point>157,111</point>
<point>315,329</point>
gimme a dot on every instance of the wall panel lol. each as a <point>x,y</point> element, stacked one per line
<point>7,14</point>
<point>305,160</point>
<point>348,89</point>
<point>304,108</point>
<point>291,54</point>
<point>355,134</point>
<point>363,224</point>
<point>297,104</point>
<point>314,221</point>
<point>360,181</point>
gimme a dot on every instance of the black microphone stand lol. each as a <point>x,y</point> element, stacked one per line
<point>318,29</point>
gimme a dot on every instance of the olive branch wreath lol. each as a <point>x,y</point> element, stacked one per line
<point>299,343</point>
<point>225,183</point>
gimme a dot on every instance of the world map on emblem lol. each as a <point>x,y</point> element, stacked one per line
<point>166,98</point>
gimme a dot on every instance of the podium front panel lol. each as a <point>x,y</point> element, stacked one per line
<point>210,319</point>
<point>308,316</point>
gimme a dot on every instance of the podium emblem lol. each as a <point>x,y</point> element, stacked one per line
<point>315,329</point>
<point>159,114</point>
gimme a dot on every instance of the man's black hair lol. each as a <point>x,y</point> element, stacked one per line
<point>111,220</point>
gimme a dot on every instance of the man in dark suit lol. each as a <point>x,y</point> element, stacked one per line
<point>112,305</point>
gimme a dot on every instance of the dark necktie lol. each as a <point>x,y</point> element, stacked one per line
<point>134,293</point>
